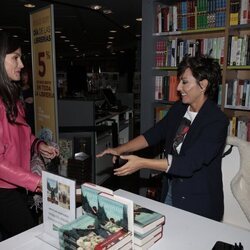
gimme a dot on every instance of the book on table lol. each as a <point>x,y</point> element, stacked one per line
<point>107,222</point>
<point>89,192</point>
<point>141,239</point>
<point>146,219</point>
<point>149,243</point>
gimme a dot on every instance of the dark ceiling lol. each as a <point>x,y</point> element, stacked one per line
<point>86,30</point>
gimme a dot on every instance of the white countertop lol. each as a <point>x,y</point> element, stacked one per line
<point>182,230</point>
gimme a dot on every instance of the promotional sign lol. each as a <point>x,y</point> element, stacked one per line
<point>59,205</point>
<point>44,76</point>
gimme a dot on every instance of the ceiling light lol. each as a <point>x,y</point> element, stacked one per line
<point>15,35</point>
<point>125,26</point>
<point>107,12</point>
<point>110,42</point>
<point>67,41</point>
<point>29,5</point>
<point>112,31</point>
<point>111,37</point>
<point>72,45</point>
<point>138,35</point>
<point>95,7</point>
<point>1,29</point>
<point>26,41</point>
<point>58,32</point>
<point>122,51</point>
<point>139,19</point>
<point>62,36</point>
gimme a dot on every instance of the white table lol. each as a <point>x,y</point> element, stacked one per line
<point>182,231</point>
<point>187,231</point>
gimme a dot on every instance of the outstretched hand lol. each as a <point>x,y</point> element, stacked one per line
<point>134,163</point>
<point>109,151</point>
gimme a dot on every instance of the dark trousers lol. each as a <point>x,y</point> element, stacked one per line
<point>15,216</point>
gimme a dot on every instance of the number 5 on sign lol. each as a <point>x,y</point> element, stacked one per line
<point>41,63</point>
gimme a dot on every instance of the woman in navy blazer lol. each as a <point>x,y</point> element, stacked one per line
<point>194,131</point>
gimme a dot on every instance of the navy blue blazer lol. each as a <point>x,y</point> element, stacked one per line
<point>196,171</point>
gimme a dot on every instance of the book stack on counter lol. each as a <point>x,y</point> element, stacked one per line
<point>148,227</point>
<point>106,223</point>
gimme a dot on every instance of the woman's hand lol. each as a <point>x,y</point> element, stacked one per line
<point>134,164</point>
<point>39,187</point>
<point>47,151</point>
<point>109,151</point>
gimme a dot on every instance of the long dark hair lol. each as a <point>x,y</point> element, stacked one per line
<point>9,90</point>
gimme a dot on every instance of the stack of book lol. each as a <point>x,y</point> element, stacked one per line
<point>107,223</point>
<point>148,227</point>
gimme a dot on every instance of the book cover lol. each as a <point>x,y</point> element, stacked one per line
<point>146,219</point>
<point>90,193</point>
<point>108,228</point>
<point>141,239</point>
<point>82,232</point>
<point>115,215</point>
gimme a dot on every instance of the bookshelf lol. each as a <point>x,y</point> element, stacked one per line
<point>206,26</point>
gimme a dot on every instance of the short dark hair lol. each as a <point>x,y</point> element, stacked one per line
<point>9,91</point>
<point>203,67</point>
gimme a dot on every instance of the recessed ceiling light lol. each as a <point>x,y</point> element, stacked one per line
<point>111,37</point>
<point>107,12</point>
<point>29,5</point>
<point>125,26</point>
<point>15,35</point>
<point>122,51</point>
<point>138,35</point>
<point>62,36</point>
<point>139,19</point>
<point>26,41</point>
<point>113,53</point>
<point>110,42</point>
<point>95,7</point>
<point>112,31</point>
<point>96,55</point>
<point>67,41</point>
<point>58,32</point>
<point>72,45</point>
<point>1,29</point>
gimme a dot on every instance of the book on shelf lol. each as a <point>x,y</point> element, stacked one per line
<point>149,243</point>
<point>234,12</point>
<point>239,127</point>
<point>142,239</point>
<point>146,219</point>
<point>244,11</point>
<point>160,112</point>
<point>106,224</point>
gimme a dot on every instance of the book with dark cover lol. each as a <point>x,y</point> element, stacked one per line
<point>146,219</point>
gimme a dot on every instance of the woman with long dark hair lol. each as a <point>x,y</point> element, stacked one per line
<point>16,144</point>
